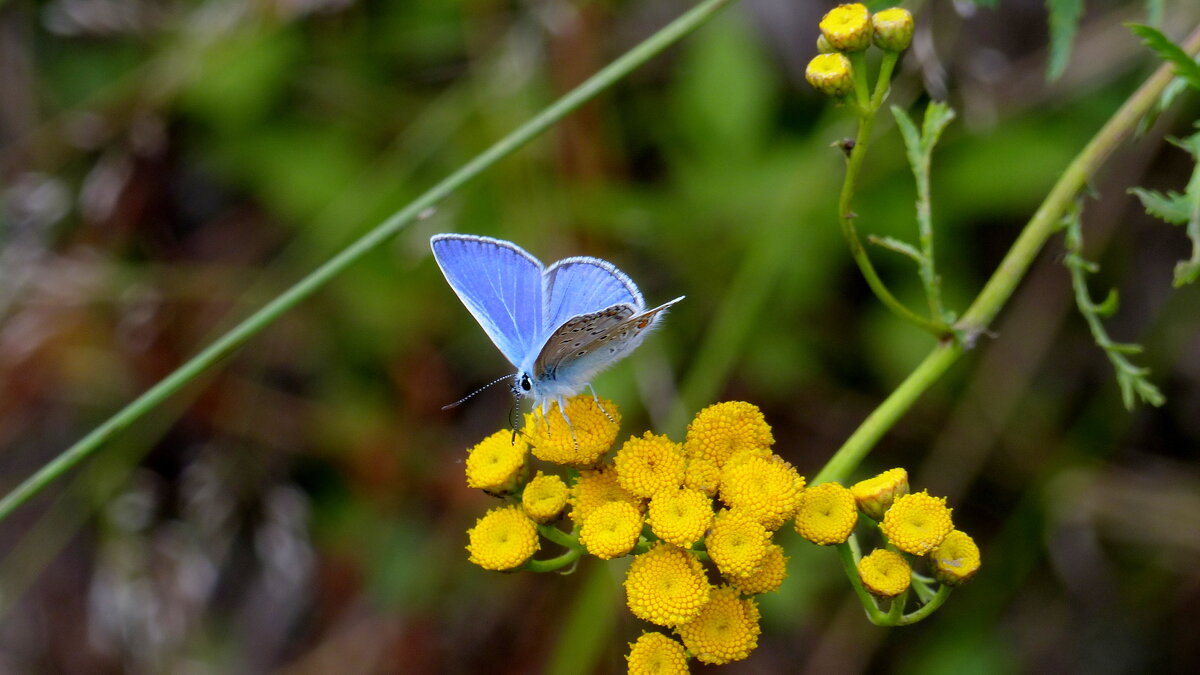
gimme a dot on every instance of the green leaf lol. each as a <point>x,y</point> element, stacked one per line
<point>1171,207</point>
<point>937,116</point>
<point>901,247</point>
<point>1064,23</point>
<point>1185,66</point>
<point>1109,306</point>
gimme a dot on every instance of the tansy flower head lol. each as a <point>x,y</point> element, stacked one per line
<point>847,27</point>
<point>737,543</point>
<point>830,74</point>
<point>656,654</point>
<point>680,516</point>
<point>722,429</point>
<point>703,475</point>
<point>875,495</point>
<point>666,586</point>
<point>648,464</point>
<point>611,530</point>
<point>827,514</point>
<point>956,559</point>
<point>545,497</point>
<point>893,29</point>
<point>496,462</point>
<point>917,523</point>
<point>503,539</point>
<point>767,489</point>
<point>590,434</point>
<point>726,629</point>
<point>594,488</point>
<point>765,578</point>
<point>885,573</point>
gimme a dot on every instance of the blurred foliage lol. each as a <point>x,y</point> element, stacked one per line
<point>168,167</point>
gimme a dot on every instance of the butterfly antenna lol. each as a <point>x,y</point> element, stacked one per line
<point>461,400</point>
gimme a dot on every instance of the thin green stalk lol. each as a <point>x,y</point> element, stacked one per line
<point>943,593</point>
<point>866,121</point>
<point>999,288</point>
<point>379,235</point>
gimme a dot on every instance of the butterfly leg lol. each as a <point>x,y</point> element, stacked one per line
<point>597,400</point>
<point>562,410</point>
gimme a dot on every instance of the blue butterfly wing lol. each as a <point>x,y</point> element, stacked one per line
<point>500,284</point>
<point>583,285</point>
<point>586,344</point>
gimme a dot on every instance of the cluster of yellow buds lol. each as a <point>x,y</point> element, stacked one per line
<point>698,518</point>
<point>849,29</point>
<point>918,528</point>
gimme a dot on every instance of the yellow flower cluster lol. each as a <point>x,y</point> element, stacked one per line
<point>697,517</point>
<point>850,29</point>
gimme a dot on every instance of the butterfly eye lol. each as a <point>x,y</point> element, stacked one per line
<point>525,384</point>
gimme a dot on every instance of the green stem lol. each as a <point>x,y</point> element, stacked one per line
<point>564,539</point>
<point>554,564</point>
<point>379,235</point>
<point>866,121</point>
<point>1004,280</point>
<point>928,608</point>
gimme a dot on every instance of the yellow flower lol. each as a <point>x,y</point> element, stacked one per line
<point>648,464</point>
<point>496,462</point>
<point>767,577</point>
<point>917,523</point>
<point>737,543</point>
<point>893,29</point>
<point>847,27</point>
<point>726,629</point>
<point>680,516</point>
<point>827,514</point>
<point>545,497</point>
<point>656,654</point>
<point>703,475</point>
<point>956,559</point>
<point>594,488</point>
<point>875,495</point>
<point>611,530</point>
<point>666,585</point>
<point>831,74</point>
<point>590,434</point>
<point>503,539</point>
<point>767,489</point>
<point>885,573</point>
<point>722,429</point>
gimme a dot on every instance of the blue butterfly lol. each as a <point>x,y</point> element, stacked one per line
<point>558,325</point>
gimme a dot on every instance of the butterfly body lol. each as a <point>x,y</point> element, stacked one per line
<point>558,325</point>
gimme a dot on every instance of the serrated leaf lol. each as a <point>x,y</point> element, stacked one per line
<point>1185,66</point>
<point>1171,207</point>
<point>937,116</point>
<point>1064,23</point>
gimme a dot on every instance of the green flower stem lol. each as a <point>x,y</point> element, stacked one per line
<point>564,539</point>
<point>928,608</point>
<point>554,564</point>
<point>866,121</point>
<point>862,87</point>
<point>1044,223</point>
<point>225,345</point>
<point>850,566</point>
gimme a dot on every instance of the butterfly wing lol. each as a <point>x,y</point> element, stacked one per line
<point>582,285</point>
<point>500,284</point>
<point>586,344</point>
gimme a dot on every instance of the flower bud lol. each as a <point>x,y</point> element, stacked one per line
<point>823,46</point>
<point>830,74</point>
<point>893,29</point>
<point>847,27</point>
<point>875,495</point>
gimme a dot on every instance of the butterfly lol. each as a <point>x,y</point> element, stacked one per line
<point>559,325</point>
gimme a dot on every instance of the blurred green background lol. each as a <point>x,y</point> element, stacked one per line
<point>168,167</point>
